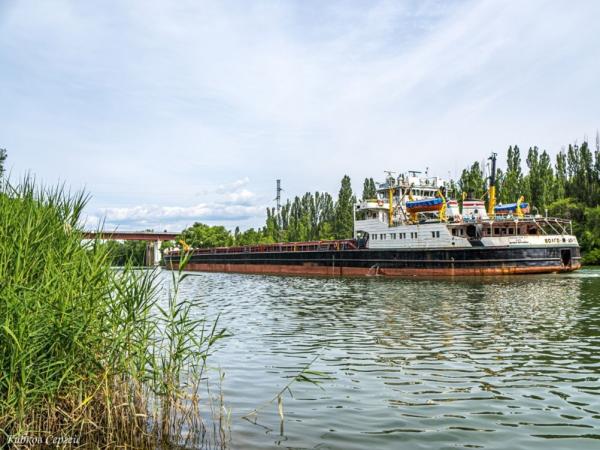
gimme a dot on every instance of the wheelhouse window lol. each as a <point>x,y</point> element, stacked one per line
<point>392,235</point>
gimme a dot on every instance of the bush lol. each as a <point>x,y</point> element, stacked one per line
<point>591,258</point>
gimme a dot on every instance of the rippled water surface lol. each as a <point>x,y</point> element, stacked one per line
<point>491,363</point>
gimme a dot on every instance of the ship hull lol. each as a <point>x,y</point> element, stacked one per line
<point>391,263</point>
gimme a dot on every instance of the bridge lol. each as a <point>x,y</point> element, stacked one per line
<point>153,239</point>
<point>150,236</point>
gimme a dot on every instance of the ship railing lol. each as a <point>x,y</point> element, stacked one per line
<point>334,245</point>
<point>546,225</point>
<point>514,218</point>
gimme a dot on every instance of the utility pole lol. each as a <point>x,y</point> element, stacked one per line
<point>278,197</point>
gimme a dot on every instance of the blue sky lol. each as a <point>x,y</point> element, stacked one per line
<point>173,112</point>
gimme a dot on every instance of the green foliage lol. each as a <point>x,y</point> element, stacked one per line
<point>472,181</point>
<point>127,252</point>
<point>568,208</point>
<point>512,184</point>
<point>201,235</point>
<point>590,238</point>
<point>540,179</point>
<point>252,236</point>
<point>344,219</point>
<point>369,189</point>
<point>592,258</point>
<point>87,350</point>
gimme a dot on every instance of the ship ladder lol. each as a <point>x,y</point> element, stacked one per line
<point>373,271</point>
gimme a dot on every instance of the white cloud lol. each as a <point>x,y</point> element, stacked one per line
<point>243,197</point>
<point>225,188</point>
<point>144,215</point>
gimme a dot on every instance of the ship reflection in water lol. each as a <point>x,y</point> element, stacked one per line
<point>490,363</point>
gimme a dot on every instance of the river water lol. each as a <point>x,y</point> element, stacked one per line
<point>492,363</point>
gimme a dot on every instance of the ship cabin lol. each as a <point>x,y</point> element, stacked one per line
<point>511,226</point>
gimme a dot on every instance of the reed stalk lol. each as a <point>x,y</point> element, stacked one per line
<point>88,352</point>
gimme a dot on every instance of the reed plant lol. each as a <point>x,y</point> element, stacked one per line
<point>89,354</point>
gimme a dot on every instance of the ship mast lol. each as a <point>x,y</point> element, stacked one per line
<point>390,183</point>
<point>492,190</point>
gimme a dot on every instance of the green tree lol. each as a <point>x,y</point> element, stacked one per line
<point>201,235</point>
<point>540,179</point>
<point>512,186</point>
<point>324,216</point>
<point>272,226</point>
<point>3,156</point>
<point>472,182</point>
<point>582,183</point>
<point>560,179</point>
<point>344,222</point>
<point>128,251</point>
<point>369,189</point>
<point>590,238</point>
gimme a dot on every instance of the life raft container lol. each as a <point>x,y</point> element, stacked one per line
<point>511,208</point>
<point>427,205</point>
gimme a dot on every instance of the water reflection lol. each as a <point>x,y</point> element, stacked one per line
<point>479,363</point>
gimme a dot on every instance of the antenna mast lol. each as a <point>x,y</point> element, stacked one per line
<point>492,191</point>
<point>278,197</point>
<point>390,185</point>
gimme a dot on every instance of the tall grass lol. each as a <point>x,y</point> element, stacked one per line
<point>89,352</point>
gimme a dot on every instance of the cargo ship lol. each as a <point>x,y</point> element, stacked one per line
<point>413,228</point>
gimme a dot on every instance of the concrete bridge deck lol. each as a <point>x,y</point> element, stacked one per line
<point>151,236</point>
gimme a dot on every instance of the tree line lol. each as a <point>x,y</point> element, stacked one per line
<point>312,216</point>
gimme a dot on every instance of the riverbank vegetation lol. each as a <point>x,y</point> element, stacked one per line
<point>127,252</point>
<point>93,354</point>
<point>569,188</point>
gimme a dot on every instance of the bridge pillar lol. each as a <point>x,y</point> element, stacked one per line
<point>156,253</point>
<point>148,255</point>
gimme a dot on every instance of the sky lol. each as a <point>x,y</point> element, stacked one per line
<point>168,113</point>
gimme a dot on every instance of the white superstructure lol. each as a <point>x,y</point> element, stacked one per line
<point>388,222</point>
